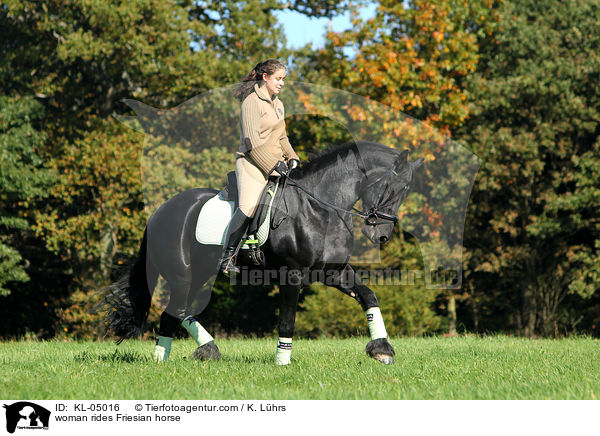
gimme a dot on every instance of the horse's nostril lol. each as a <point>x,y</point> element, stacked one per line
<point>383,239</point>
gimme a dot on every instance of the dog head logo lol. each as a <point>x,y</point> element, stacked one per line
<point>26,415</point>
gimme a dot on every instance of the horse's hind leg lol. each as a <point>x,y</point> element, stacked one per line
<point>179,279</point>
<point>189,294</point>
<point>379,347</point>
<point>172,316</point>
<point>198,298</point>
<point>178,314</point>
<point>168,324</point>
<point>207,349</point>
<point>167,328</point>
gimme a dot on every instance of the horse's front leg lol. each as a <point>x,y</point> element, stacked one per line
<point>288,303</point>
<point>378,348</point>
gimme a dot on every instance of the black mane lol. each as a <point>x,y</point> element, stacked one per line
<point>330,155</point>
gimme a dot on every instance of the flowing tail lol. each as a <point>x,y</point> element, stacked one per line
<point>127,301</point>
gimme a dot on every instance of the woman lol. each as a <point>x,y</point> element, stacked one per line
<point>265,148</point>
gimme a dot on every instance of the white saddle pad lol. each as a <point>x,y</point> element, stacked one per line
<point>215,216</point>
<point>213,221</point>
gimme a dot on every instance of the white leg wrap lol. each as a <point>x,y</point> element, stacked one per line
<point>196,331</point>
<point>284,351</point>
<point>376,325</point>
<point>162,349</point>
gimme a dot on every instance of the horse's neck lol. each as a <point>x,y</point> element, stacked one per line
<point>339,184</point>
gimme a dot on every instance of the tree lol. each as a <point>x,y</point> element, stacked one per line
<point>411,56</point>
<point>78,60</point>
<point>23,180</point>
<point>533,229</point>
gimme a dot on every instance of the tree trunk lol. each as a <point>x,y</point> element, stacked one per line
<point>452,314</point>
<point>109,249</point>
<point>528,312</point>
<point>474,308</point>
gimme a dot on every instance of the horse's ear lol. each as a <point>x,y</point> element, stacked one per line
<point>416,164</point>
<point>402,157</point>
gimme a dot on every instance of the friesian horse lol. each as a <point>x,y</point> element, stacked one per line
<point>314,241</point>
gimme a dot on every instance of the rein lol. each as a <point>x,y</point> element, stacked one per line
<point>371,216</point>
<point>354,210</point>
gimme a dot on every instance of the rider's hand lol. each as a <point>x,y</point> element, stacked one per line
<point>281,168</point>
<point>293,163</point>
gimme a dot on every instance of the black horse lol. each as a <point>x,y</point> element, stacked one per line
<point>315,241</point>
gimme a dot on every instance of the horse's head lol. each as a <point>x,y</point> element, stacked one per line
<point>382,198</point>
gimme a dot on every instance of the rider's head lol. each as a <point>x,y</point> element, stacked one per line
<point>270,73</point>
<point>274,81</point>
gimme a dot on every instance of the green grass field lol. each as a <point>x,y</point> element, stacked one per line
<point>430,368</point>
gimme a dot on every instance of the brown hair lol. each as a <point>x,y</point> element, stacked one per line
<point>245,88</point>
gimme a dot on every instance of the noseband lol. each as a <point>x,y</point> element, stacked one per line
<point>373,215</point>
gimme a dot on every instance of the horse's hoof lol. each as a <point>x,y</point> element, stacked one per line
<point>384,358</point>
<point>381,350</point>
<point>208,351</point>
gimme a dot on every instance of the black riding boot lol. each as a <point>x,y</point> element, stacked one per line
<point>238,225</point>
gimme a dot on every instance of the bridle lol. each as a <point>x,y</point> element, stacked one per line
<point>373,216</point>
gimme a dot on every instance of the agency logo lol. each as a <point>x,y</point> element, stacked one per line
<point>26,415</point>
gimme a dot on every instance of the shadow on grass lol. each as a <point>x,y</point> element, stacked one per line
<point>116,356</point>
<point>233,359</point>
<point>263,359</point>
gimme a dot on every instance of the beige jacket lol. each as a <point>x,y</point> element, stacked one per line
<point>262,130</point>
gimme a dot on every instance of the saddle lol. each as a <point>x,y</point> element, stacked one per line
<point>230,192</point>
<point>214,217</point>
